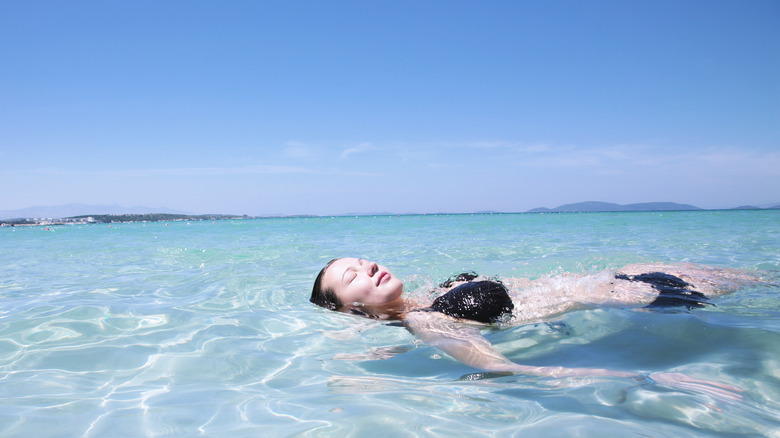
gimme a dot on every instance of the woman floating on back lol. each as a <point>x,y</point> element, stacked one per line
<point>452,321</point>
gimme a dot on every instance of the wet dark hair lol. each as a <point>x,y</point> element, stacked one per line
<point>324,297</point>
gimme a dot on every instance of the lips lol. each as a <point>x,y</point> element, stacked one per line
<point>381,276</point>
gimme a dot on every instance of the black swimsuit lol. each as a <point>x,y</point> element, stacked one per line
<point>484,301</point>
<point>672,291</point>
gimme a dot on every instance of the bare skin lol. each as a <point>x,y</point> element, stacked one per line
<point>545,298</point>
<point>365,285</point>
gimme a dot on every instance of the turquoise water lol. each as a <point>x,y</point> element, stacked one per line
<point>204,329</point>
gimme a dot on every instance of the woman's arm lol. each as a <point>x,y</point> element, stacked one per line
<point>465,343</point>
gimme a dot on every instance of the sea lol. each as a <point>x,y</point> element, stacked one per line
<point>204,328</point>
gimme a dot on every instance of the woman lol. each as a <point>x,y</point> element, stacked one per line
<point>365,288</point>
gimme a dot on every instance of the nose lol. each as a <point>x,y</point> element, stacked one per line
<point>372,268</point>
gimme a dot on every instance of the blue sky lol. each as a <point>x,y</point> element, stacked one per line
<point>330,107</point>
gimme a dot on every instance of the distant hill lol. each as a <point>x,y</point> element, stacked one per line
<point>596,206</point>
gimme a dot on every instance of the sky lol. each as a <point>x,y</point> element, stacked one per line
<point>337,107</point>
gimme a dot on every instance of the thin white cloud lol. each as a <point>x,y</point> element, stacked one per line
<point>193,171</point>
<point>295,149</point>
<point>361,148</point>
<point>538,148</point>
<point>714,160</point>
<point>580,157</point>
<point>511,146</point>
<point>214,171</point>
<point>626,158</point>
<point>739,161</point>
<point>182,172</point>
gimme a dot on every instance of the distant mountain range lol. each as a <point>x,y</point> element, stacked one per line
<point>596,206</point>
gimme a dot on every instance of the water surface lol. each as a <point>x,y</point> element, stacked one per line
<point>204,329</point>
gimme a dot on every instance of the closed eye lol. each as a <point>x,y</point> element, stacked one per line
<point>351,273</point>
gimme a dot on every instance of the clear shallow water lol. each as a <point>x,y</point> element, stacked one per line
<point>204,329</point>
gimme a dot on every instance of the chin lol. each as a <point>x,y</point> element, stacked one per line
<point>395,296</point>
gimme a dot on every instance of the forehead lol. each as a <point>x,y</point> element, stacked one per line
<point>336,269</point>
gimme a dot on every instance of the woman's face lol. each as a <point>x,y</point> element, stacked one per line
<point>360,281</point>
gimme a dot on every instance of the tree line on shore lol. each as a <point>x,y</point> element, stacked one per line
<point>116,218</point>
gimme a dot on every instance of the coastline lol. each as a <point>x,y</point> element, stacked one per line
<point>166,217</point>
<point>115,218</point>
